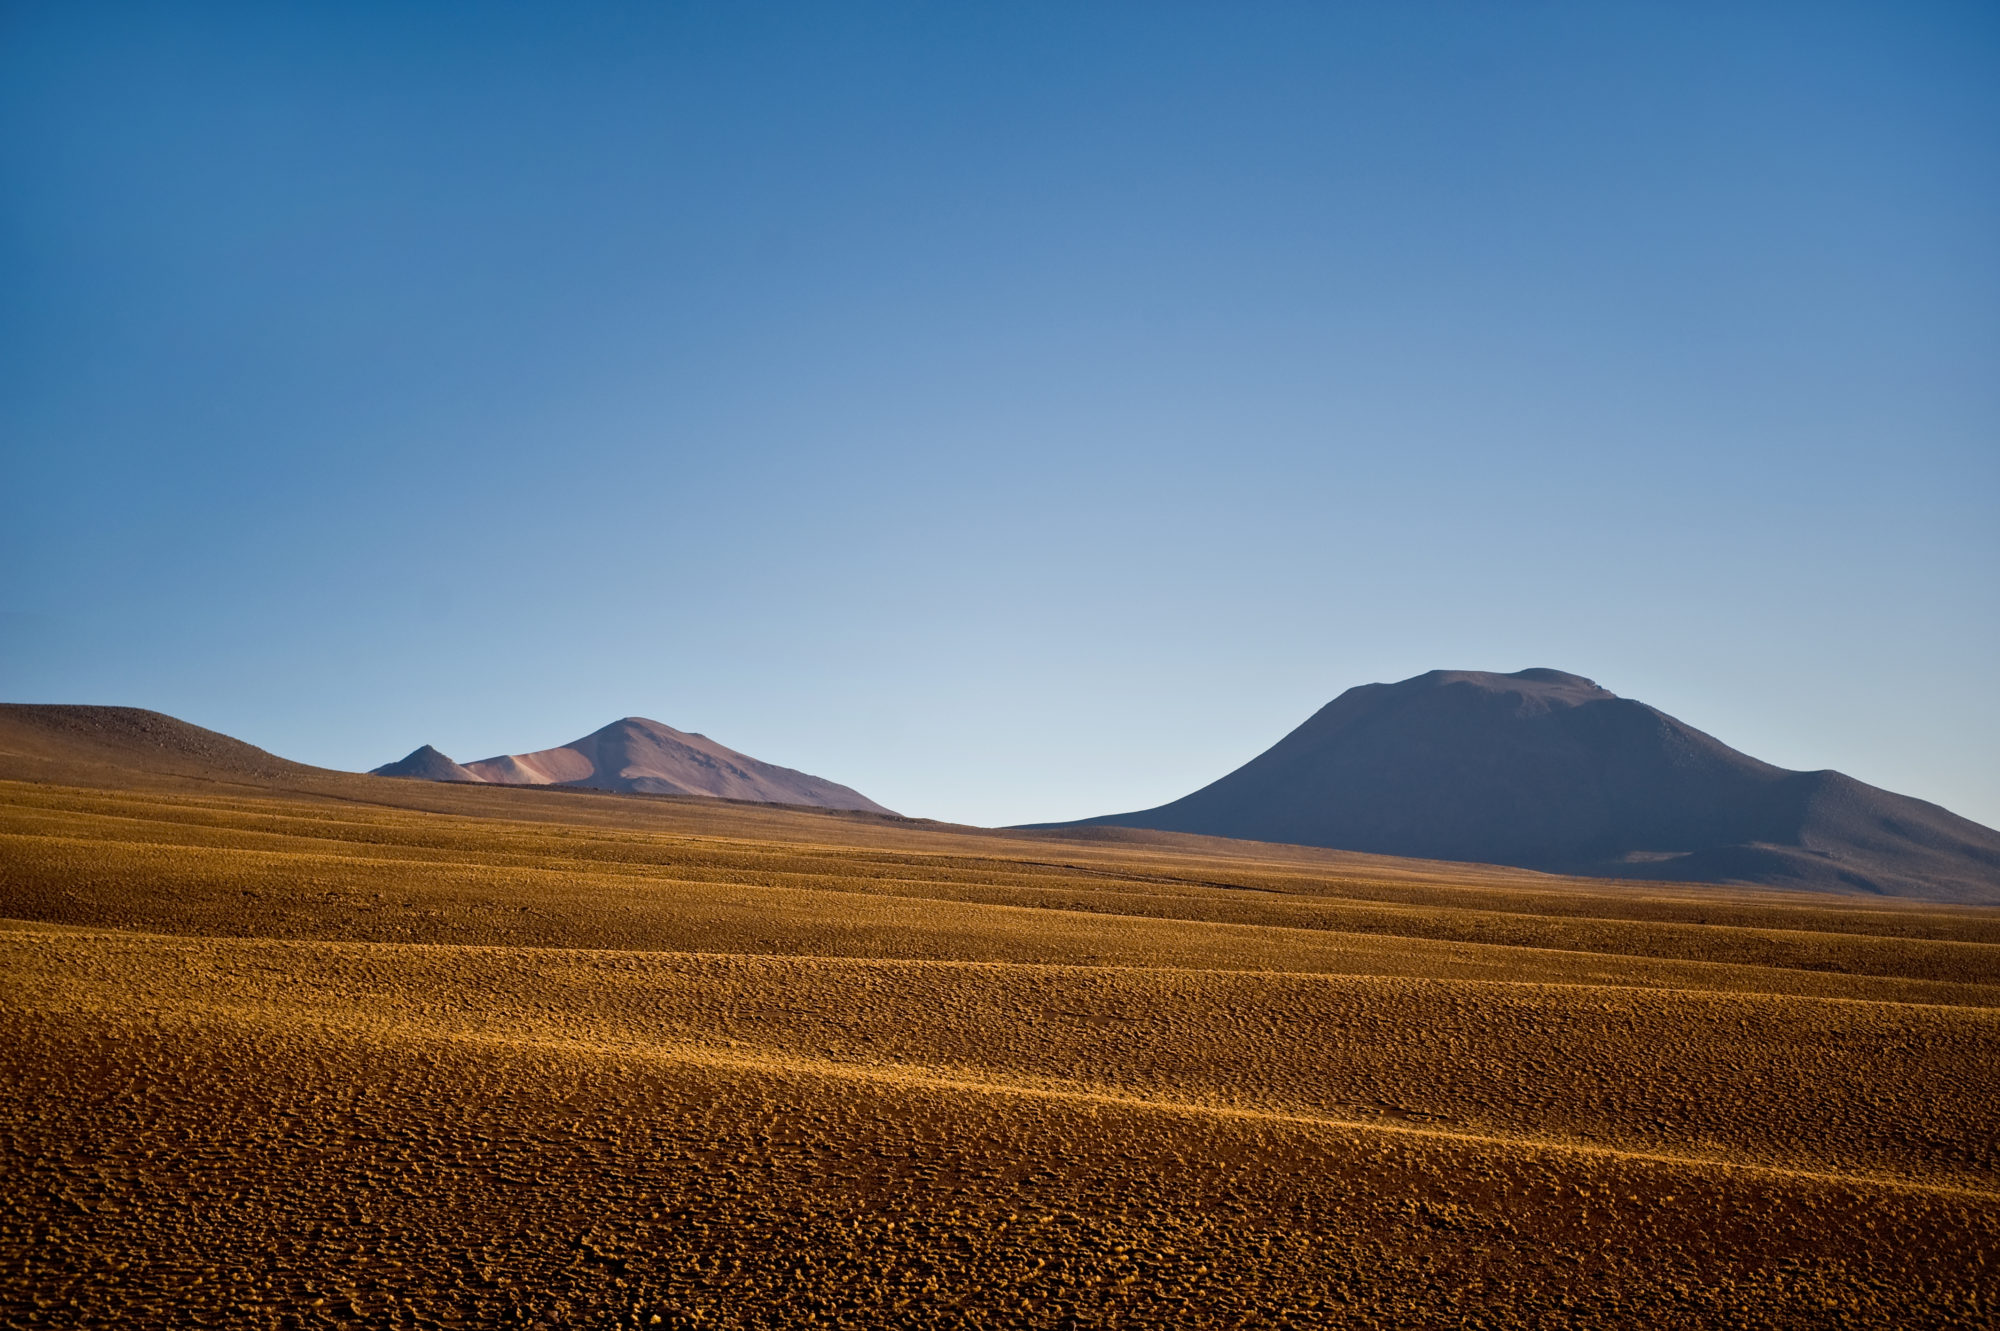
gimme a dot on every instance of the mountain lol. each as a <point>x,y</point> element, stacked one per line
<point>639,756</point>
<point>1545,770</point>
<point>426,764</point>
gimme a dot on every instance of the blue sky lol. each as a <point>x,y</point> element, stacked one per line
<point>1015,411</point>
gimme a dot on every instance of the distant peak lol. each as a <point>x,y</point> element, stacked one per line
<point>638,755</point>
<point>427,764</point>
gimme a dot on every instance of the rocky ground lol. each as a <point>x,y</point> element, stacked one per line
<point>453,1057</point>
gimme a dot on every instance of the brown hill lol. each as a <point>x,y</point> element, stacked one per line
<point>54,741</point>
<point>644,757</point>
<point>1545,770</point>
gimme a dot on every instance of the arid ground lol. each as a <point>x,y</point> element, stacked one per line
<point>291,1048</point>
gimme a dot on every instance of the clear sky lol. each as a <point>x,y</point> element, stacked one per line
<point>1015,411</point>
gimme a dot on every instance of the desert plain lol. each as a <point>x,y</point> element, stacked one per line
<point>293,1048</point>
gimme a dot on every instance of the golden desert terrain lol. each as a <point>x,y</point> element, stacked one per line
<point>293,1048</point>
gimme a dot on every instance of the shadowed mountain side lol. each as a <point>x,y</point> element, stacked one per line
<point>426,764</point>
<point>639,756</point>
<point>1544,770</point>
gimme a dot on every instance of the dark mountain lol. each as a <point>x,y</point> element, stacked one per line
<point>425,764</point>
<point>1548,771</point>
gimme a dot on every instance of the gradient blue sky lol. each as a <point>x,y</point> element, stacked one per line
<point>1014,411</point>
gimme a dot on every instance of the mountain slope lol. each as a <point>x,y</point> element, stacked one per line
<point>1545,770</point>
<point>639,756</point>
